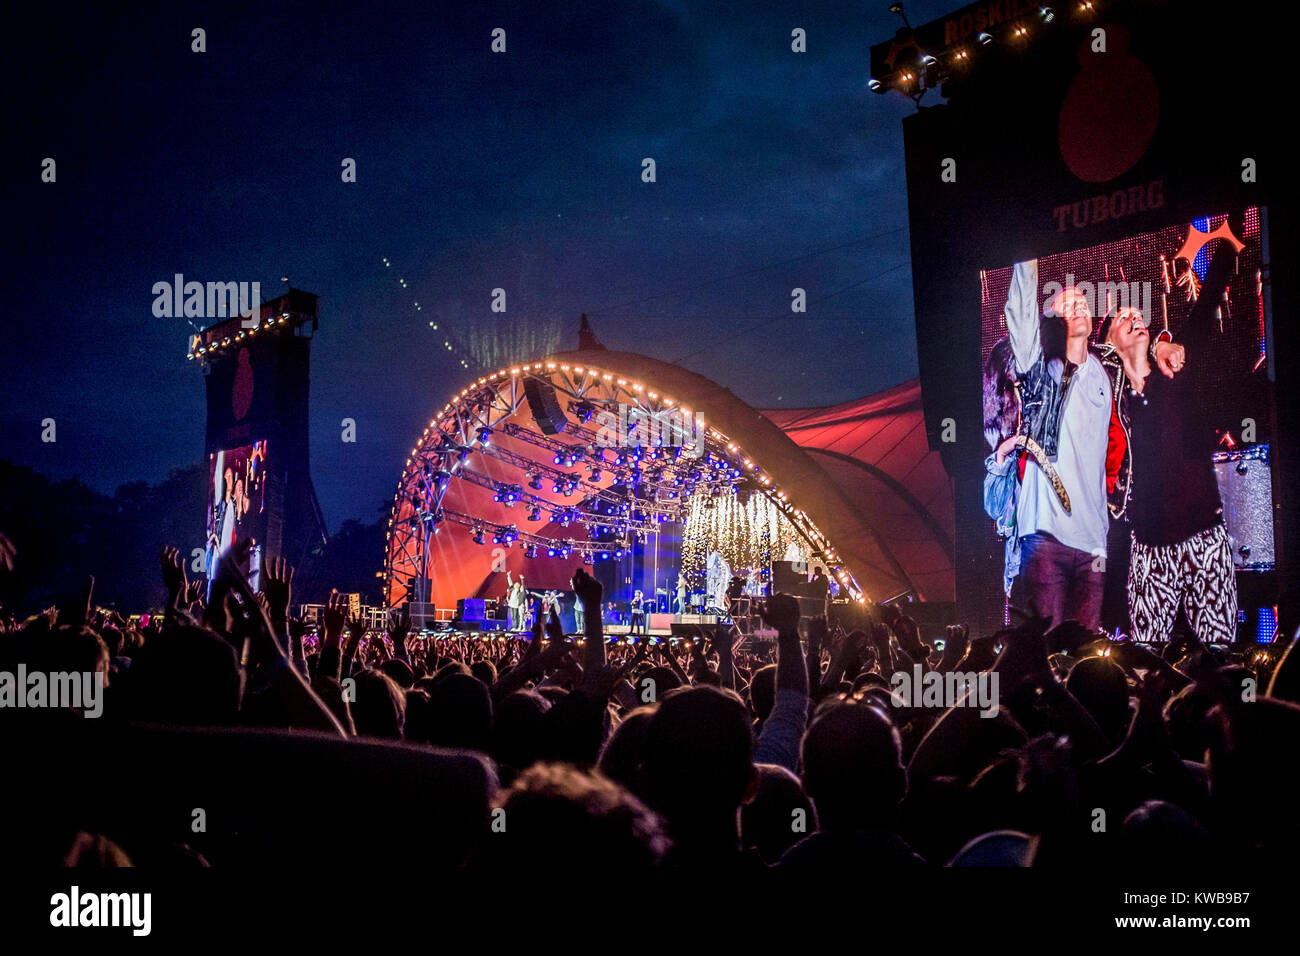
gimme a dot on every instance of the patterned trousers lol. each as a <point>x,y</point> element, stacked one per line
<point>1197,575</point>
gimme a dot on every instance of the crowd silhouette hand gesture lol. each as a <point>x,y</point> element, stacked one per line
<point>336,615</point>
<point>554,629</point>
<point>535,645</point>
<point>781,612</point>
<point>173,573</point>
<point>956,641</point>
<point>399,630</point>
<point>277,585</point>
<point>356,627</point>
<point>588,589</point>
<point>879,639</point>
<point>908,634</point>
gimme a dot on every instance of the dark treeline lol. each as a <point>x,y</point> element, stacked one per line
<point>65,531</point>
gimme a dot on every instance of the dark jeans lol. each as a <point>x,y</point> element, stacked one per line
<point>1059,582</point>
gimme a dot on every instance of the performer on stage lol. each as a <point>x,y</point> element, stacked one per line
<point>549,599</point>
<point>1181,554</point>
<point>638,614</point>
<point>579,616</point>
<point>681,594</point>
<point>517,602</point>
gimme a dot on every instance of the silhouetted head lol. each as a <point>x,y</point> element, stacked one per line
<point>379,708</point>
<point>1100,685</point>
<point>697,767</point>
<point>186,675</point>
<point>519,729</point>
<point>762,691</point>
<point>460,713</point>
<point>779,816</point>
<point>1159,834</point>
<point>852,767</point>
<point>586,821</point>
<point>623,751</point>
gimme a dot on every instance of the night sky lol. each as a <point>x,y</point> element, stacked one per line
<point>474,171</point>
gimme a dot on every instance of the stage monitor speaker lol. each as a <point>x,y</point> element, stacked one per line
<point>470,609</point>
<point>421,588</point>
<point>787,580</point>
<point>545,406</point>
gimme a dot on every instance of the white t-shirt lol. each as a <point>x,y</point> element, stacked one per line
<point>1081,463</point>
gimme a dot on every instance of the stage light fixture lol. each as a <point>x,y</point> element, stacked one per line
<point>535,513</point>
<point>985,38</point>
<point>477,537</point>
<point>1046,14</point>
<point>485,434</point>
<point>535,483</point>
<point>875,86</point>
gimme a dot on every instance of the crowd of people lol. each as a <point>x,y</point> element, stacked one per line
<point>233,735</point>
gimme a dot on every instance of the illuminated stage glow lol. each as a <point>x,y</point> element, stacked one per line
<point>608,470</point>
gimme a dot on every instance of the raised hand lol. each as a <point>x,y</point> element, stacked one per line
<point>554,629</point>
<point>356,630</point>
<point>399,628</point>
<point>277,585</point>
<point>588,589</point>
<point>956,640</point>
<point>173,573</point>
<point>194,594</point>
<point>336,613</point>
<point>908,634</point>
<point>781,612</point>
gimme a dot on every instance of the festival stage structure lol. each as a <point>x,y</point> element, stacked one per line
<point>642,471</point>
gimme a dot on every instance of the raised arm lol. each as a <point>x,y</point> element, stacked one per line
<point>778,742</point>
<point>589,592</point>
<point>1022,315</point>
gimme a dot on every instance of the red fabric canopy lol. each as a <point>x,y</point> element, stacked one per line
<point>875,450</point>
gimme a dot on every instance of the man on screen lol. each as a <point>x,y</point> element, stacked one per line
<point>1057,547</point>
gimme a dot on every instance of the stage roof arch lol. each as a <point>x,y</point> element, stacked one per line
<point>829,470</point>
